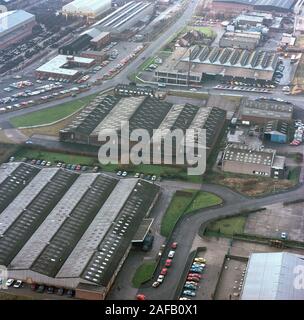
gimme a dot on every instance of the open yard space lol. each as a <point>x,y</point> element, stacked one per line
<point>227,227</point>
<point>249,185</point>
<point>51,114</point>
<point>6,150</point>
<point>231,279</point>
<point>277,219</point>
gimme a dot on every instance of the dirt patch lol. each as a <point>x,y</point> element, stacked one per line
<point>255,186</point>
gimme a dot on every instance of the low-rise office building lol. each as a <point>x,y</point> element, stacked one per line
<point>260,162</point>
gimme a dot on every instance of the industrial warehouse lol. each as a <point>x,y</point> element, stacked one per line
<point>121,24</point>
<point>141,112</point>
<point>89,8</point>
<point>262,111</point>
<point>236,6</point>
<point>190,65</point>
<point>15,26</point>
<point>272,276</point>
<point>70,230</point>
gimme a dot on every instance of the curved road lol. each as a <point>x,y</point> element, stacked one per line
<point>188,227</point>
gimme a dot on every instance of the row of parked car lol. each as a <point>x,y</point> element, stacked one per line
<point>167,265</point>
<point>193,278</point>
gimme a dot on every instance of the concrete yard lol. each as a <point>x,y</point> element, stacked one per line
<point>276,219</point>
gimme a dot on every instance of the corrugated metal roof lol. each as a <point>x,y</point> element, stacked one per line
<point>272,276</point>
<point>12,19</point>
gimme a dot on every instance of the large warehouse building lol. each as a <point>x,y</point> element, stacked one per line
<point>70,230</point>
<point>125,17</point>
<point>142,112</point>
<point>274,276</point>
<point>15,26</point>
<point>236,6</point>
<point>191,64</point>
<point>88,8</point>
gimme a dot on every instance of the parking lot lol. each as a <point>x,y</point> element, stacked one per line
<point>231,280</point>
<point>277,219</point>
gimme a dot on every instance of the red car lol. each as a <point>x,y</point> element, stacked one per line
<point>196,275</point>
<point>141,297</point>
<point>193,279</point>
<point>174,245</point>
<point>164,271</point>
<point>78,167</point>
<point>168,263</point>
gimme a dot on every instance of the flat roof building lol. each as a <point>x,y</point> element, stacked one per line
<point>272,276</point>
<point>65,229</point>
<point>245,160</point>
<point>262,111</point>
<point>241,40</point>
<point>62,66</point>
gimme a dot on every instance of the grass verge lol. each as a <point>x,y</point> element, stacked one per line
<point>185,202</point>
<point>143,273</point>
<point>50,115</point>
<point>226,227</point>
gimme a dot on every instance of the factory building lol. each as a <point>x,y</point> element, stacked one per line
<point>142,111</point>
<point>86,8</point>
<point>237,6</point>
<point>70,230</point>
<point>15,26</point>
<point>262,111</point>
<point>276,131</point>
<point>125,17</point>
<point>260,162</point>
<point>240,40</point>
<point>274,276</point>
<point>192,64</point>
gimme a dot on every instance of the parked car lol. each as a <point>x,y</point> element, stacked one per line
<point>50,290</point>
<point>18,284</point>
<point>119,173</point>
<point>164,271</point>
<point>155,284</point>
<point>193,279</point>
<point>194,275</point>
<point>95,169</point>
<point>171,254</point>
<point>124,174</point>
<point>174,245</point>
<point>189,293</point>
<point>34,286</point>
<point>203,260</point>
<point>190,287</point>
<point>168,263</point>
<point>41,288</point>
<point>9,282</point>
<point>60,291</point>
<point>70,293</point>
<point>160,278</point>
